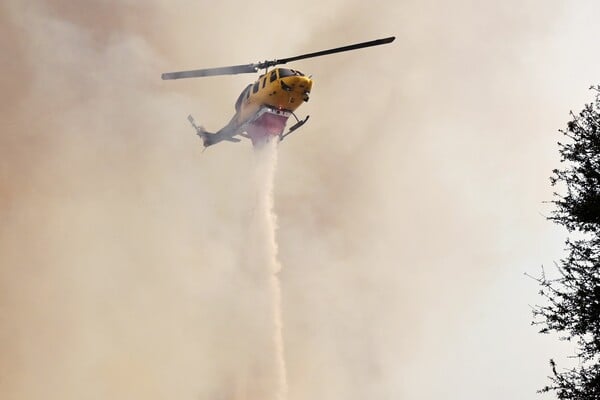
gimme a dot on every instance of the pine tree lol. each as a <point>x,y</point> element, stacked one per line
<point>573,299</point>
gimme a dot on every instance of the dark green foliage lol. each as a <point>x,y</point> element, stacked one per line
<point>573,299</point>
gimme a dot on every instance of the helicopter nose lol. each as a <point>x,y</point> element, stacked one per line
<point>303,82</point>
<point>287,86</point>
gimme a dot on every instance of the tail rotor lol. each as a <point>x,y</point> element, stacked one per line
<point>201,132</point>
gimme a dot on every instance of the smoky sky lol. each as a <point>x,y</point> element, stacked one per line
<point>408,207</point>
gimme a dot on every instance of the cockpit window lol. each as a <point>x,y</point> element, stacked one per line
<point>283,72</point>
<point>273,76</point>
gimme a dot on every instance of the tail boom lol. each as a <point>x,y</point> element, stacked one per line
<point>210,138</point>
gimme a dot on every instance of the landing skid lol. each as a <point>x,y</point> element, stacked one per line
<point>294,127</point>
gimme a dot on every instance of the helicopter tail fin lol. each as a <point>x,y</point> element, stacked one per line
<point>203,134</point>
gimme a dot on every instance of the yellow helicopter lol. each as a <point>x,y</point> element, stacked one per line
<point>263,107</point>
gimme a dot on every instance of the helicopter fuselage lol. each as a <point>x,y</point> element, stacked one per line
<point>281,89</point>
<point>263,107</point>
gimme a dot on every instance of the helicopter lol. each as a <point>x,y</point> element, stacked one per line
<point>264,106</point>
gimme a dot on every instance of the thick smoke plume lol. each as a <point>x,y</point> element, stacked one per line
<point>408,207</point>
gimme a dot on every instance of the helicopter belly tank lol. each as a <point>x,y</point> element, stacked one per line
<point>268,124</point>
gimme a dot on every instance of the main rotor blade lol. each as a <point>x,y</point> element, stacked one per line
<point>252,68</point>
<point>232,70</point>
<point>331,51</point>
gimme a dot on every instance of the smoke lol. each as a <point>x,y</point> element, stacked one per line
<point>408,206</point>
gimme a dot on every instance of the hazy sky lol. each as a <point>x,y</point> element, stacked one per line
<point>409,206</point>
